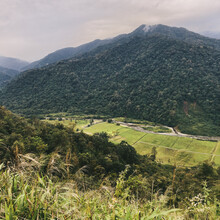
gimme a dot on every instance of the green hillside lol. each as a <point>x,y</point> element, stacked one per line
<point>12,63</point>
<point>6,75</point>
<point>152,76</point>
<point>49,171</point>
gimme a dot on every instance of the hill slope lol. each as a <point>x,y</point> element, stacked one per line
<point>173,32</point>
<point>12,63</point>
<point>149,76</point>
<point>6,75</point>
<point>65,53</point>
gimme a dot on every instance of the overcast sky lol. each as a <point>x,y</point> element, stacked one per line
<point>30,29</point>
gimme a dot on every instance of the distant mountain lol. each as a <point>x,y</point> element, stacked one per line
<point>211,34</point>
<point>158,73</point>
<point>65,53</point>
<point>181,34</point>
<point>71,52</point>
<point>6,75</point>
<point>12,63</point>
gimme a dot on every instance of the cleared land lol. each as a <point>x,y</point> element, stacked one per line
<point>170,149</point>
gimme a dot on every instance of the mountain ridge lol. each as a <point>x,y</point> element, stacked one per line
<point>6,75</point>
<point>152,76</point>
<point>12,63</point>
<point>72,52</point>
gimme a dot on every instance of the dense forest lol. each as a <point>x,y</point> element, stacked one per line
<point>172,32</point>
<point>42,164</point>
<point>6,75</point>
<point>154,77</point>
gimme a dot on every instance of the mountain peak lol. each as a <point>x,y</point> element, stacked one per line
<point>149,28</point>
<point>144,28</point>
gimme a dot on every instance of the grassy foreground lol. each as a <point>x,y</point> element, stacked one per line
<point>52,172</point>
<point>28,195</point>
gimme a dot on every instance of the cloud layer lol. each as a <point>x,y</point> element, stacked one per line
<point>30,29</point>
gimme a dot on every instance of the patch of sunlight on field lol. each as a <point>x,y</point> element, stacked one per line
<point>181,147</point>
<point>217,160</point>
<point>217,152</point>
<point>189,158</point>
<point>131,136</point>
<point>183,142</point>
<point>109,128</point>
<point>171,156</point>
<point>154,138</point>
<point>80,124</point>
<point>143,148</point>
<point>202,146</point>
<point>169,141</point>
<point>166,155</point>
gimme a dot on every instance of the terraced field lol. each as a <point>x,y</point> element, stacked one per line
<point>170,149</point>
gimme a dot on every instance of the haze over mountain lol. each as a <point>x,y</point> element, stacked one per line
<point>12,63</point>
<point>159,73</point>
<point>65,53</point>
<point>211,34</point>
<point>6,75</point>
<point>71,52</point>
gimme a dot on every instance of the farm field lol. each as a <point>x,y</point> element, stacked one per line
<point>170,149</point>
<point>217,152</point>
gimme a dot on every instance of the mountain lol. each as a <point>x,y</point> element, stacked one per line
<point>12,63</point>
<point>65,53</point>
<point>211,34</point>
<point>71,52</point>
<point>6,75</point>
<point>158,73</point>
<point>180,34</point>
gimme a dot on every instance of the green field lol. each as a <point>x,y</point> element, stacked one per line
<point>217,152</point>
<point>170,149</point>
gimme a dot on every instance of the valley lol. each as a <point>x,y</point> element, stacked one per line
<point>165,75</point>
<point>172,148</point>
<point>126,127</point>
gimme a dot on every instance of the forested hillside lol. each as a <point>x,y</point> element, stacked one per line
<point>44,164</point>
<point>12,63</point>
<point>172,32</point>
<point>146,76</point>
<point>65,53</point>
<point>6,75</point>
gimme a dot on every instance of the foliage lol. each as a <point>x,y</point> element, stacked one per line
<point>157,77</point>
<point>6,75</point>
<point>159,129</point>
<point>51,172</point>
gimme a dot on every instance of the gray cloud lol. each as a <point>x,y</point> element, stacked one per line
<point>30,29</point>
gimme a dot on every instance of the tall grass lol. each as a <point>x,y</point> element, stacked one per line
<point>28,195</point>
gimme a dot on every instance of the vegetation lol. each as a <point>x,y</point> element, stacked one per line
<point>12,63</point>
<point>134,121</point>
<point>31,196</point>
<point>51,172</point>
<point>156,77</point>
<point>6,75</point>
<point>183,151</point>
<point>158,129</point>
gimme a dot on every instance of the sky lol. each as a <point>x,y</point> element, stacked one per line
<point>31,29</point>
